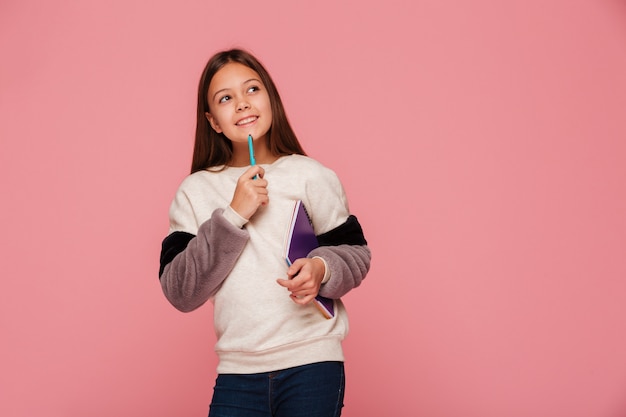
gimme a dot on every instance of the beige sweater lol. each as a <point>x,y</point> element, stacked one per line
<point>235,264</point>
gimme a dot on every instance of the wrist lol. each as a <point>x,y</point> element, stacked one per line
<point>326,275</point>
<point>234,217</point>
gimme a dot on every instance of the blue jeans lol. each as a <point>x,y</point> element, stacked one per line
<point>314,390</point>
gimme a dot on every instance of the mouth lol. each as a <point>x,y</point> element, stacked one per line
<point>247,121</point>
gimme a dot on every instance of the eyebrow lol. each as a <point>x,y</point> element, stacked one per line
<point>244,83</point>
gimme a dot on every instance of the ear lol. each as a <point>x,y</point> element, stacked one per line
<point>213,122</point>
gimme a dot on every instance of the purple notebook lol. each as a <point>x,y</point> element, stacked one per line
<point>301,241</point>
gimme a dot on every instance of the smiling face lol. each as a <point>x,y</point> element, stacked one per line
<point>239,104</point>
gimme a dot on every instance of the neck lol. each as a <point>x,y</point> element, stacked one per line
<point>241,154</point>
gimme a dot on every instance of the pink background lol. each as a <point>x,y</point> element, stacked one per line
<point>482,146</point>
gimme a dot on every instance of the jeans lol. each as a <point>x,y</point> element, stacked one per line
<point>314,390</point>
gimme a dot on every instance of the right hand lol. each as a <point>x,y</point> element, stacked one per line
<point>250,193</point>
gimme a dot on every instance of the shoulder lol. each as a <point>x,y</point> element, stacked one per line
<point>191,203</point>
<point>198,184</point>
<point>307,166</point>
<point>302,161</point>
<point>323,193</point>
<point>197,179</point>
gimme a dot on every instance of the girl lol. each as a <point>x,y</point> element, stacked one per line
<point>278,355</point>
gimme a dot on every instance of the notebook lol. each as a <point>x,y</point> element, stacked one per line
<point>301,240</point>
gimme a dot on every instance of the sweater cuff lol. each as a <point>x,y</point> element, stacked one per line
<point>326,269</point>
<point>234,218</point>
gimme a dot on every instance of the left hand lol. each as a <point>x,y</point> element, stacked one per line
<point>304,279</point>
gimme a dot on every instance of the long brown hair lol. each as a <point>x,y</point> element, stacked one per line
<point>213,149</point>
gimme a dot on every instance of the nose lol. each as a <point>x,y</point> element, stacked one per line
<point>242,105</point>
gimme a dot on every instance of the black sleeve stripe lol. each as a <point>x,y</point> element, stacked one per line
<point>348,233</point>
<point>172,245</point>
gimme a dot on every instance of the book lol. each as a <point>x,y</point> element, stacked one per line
<point>301,240</point>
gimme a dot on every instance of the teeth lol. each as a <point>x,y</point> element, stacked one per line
<point>246,120</point>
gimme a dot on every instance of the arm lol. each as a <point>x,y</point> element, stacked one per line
<point>194,267</point>
<point>347,256</point>
<point>343,249</point>
<point>348,266</point>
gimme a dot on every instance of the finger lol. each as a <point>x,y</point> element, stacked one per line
<point>302,299</point>
<point>285,283</point>
<point>302,281</point>
<point>303,294</point>
<point>255,171</point>
<point>298,288</point>
<point>296,267</point>
<point>261,187</point>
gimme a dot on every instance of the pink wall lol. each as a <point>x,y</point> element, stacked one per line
<point>482,145</point>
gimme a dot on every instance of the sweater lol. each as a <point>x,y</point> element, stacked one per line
<point>211,253</point>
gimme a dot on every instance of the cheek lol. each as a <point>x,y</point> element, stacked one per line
<point>261,98</point>
<point>267,106</point>
<point>218,117</point>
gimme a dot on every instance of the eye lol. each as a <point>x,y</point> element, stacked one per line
<point>253,89</point>
<point>224,99</point>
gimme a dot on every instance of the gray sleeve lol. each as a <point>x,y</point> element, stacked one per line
<point>196,273</point>
<point>348,266</point>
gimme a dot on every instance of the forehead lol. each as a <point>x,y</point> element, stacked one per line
<point>232,75</point>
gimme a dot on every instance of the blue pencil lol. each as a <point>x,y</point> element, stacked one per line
<point>251,149</point>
